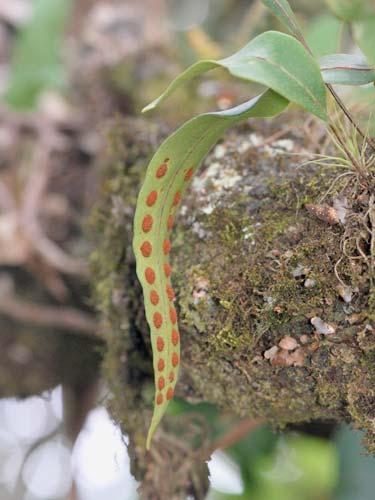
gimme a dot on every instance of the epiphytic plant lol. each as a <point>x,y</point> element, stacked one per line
<point>285,66</point>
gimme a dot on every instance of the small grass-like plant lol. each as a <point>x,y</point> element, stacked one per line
<point>286,67</point>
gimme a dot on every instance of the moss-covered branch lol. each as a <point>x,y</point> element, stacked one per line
<point>264,252</point>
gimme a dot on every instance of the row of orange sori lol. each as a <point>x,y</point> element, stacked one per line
<point>146,250</point>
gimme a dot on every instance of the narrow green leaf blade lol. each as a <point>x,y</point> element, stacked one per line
<point>280,62</point>
<point>282,10</point>
<point>166,180</point>
<point>346,69</point>
<point>191,72</point>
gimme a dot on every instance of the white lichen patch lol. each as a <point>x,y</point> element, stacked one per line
<point>244,146</point>
<point>309,283</point>
<point>322,327</point>
<point>208,209</point>
<point>247,232</point>
<point>256,139</point>
<point>298,271</point>
<point>220,151</point>
<point>340,204</point>
<point>345,292</point>
<point>198,229</point>
<point>183,210</point>
<point>219,176</point>
<point>284,144</point>
<point>211,183</point>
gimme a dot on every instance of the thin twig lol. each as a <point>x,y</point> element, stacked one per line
<point>274,137</point>
<point>66,318</point>
<point>346,112</point>
<point>235,434</point>
<point>29,212</point>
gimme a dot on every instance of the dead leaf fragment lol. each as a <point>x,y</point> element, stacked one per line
<point>341,205</point>
<point>298,357</point>
<point>282,358</point>
<point>271,353</point>
<point>324,212</point>
<point>355,318</point>
<point>345,292</point>
<point>288,343</point>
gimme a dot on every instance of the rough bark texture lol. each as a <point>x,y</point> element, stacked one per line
<point>258,256</point>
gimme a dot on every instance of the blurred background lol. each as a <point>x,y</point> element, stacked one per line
<point>68,69</point>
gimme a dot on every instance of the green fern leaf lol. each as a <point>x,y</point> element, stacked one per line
<point>167,178</point>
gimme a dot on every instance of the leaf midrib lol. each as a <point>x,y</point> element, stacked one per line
<point>329,68</point>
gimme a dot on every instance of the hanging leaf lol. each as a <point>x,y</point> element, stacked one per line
<point>282,10</point>
<point>275,60</point>
<point>167,178</point>
<point>346,69</point>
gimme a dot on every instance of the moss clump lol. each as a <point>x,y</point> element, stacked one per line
<point>252,265</point>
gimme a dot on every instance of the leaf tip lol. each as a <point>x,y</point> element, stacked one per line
<point>149,107</point>
<point>152,105</point>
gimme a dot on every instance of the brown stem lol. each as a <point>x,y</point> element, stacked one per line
<point>235,434</point>
<point>350,118</point>
<point>68,319</point>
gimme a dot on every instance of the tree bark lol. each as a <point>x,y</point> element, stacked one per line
<point>272,271</point>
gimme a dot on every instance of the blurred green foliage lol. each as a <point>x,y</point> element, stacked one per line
<point>36,61</point>
<point>349,10</point>
<point>365,37</point>
<point>357,470</point>
<point>291,465</point>
<point>323,35</point>
<point>296,466</point>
